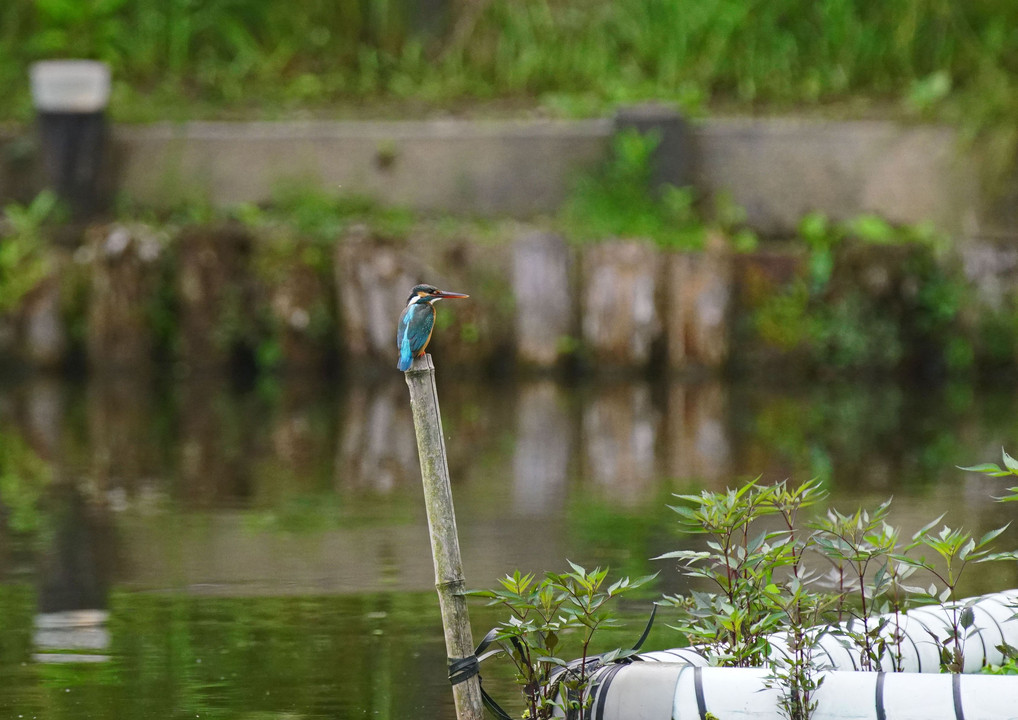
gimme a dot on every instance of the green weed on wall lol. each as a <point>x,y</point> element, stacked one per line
<point>865,296</point>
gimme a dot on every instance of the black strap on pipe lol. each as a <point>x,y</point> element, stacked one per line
<point>701,703</point>
<point>881,713</point>
<point>959,712</point>
<point>601,697</point>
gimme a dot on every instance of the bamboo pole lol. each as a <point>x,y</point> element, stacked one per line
<point>445,547</point>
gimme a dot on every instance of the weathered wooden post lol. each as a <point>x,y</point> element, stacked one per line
<point>445,546</point>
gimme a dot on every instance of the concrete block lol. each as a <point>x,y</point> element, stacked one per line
<point>215,295</point>
<point>781,169</point>
<point>373,280</point>
<point>699,292</point>
<point>543,288</point>
<point>675,152</point>
<point>123,282</point>
<point>619,314</point>
<point>507,167</point>
<point>44,333</point>
<point>294,287</point>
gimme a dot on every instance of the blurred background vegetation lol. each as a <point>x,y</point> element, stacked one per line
<point>943,59</point>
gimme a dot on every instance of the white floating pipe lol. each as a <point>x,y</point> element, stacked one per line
<point>678,691</point>
<point>992,626</point>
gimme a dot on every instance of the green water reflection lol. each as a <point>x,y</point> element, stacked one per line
<point>263,552</point>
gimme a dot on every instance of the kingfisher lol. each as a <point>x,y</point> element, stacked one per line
<point>417,321</point>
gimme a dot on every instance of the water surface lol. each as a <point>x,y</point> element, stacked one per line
<point>263,552</point>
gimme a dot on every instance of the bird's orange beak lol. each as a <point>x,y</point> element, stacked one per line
<point>450,295</point>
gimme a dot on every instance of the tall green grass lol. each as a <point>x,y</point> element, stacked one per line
<point>952,59</point>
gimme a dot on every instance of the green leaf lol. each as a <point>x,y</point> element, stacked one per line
<point>576,568</point>
<point>927,527</point>
<point>984,468</point>
<point>1009,462</point>
<point>991,535</point>
<point>872,228</point>
<point>683,555</point>
<point>550,660</point>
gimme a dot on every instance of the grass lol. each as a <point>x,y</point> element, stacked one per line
<point>222,58</point>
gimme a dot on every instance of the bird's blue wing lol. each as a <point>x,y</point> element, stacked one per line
<point>413,333</point>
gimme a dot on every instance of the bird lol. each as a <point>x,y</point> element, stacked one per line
<point>417,321</point>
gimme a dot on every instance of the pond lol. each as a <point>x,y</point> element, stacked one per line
<point>262,552</point>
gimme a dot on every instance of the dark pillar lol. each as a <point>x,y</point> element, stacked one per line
<point>673,158</point>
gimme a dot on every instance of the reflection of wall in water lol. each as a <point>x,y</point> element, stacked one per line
<point>121,441</point>
<point>696,442</point>
<point>77,568</point>
<point>377,449</point>
<point>620,432</point>
<point>543,450</point>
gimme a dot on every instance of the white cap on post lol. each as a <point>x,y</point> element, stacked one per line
<point>70,86</point>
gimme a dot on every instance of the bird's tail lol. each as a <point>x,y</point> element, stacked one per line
<point>405,361</point>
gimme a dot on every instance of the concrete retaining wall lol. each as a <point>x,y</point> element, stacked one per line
<point>777,168</point>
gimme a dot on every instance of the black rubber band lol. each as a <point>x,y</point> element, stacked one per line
<point>646,630</point>
<point>915,648</point>
<point>602,691</point>
<point>701,703</point>
<point>879,699</point>
<point>462,669</point>
<point>959,712</point>
<point>914,617</point>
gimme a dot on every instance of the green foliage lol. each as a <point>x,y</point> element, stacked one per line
<point>24,478</point>
<point>619,200</point>
<point>930,59</point>
<point>1010,665</point>
<point>869,296</point>
<point>1009,468</point>
<point>23,245</point>
<point>76,28</point>
<point>322,217</point>
<point>544,616</point>
<point>764,585</point>
<point>760,567</point>
<point>868,580</point>
<point>733,624</point>
<point>955,549</point>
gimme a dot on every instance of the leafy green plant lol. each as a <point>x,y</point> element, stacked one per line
<point>618,200</point>
<point>764,583</point>
<point>733,623</point>
<point>1009,468</point>
<point>90,29</point>
<point>868,296</point>
<point>544,615</point>
<point>23,261</point>
<point>770,606</point>
<point>855,544</point>
<point>795,671</point>
<point>1010,664</point>
<point>955,549</point>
